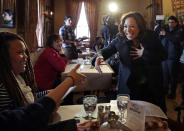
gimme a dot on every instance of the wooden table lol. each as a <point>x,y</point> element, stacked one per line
<point>95,81</point>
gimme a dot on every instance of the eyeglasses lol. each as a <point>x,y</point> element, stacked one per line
<point>171,22</point>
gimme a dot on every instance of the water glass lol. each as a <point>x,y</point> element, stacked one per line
<point>81,62</point>
<point>122,102</point>
<point>89,103</point>
<point>88,50</point>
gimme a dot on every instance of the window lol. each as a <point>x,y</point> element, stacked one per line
<point>82,28</point>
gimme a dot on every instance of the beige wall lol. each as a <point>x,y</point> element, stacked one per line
<point>167,7</point>
<point>60,11</point>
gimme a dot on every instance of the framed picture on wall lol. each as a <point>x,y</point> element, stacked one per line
<point>7,14</point>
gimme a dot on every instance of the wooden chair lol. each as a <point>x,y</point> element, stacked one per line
<point>179,110</point>
<point>177,125</point>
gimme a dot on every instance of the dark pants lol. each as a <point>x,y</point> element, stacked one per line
<point>142,92</point>
<point>71,52</point>
<point>170,75</point>
<point>182,79</point>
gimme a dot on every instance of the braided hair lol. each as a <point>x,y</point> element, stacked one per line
<point>6,74</point>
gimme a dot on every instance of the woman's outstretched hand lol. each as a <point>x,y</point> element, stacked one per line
<point>98,61</point>
<point>78,78</point>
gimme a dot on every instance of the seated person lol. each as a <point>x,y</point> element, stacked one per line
<point>7,16</point>
<point>17,84</point>
<point>50,64</point>
<point>17,88</point>
<point>98,44</point>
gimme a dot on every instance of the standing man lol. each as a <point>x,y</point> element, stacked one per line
<point>69,39</point>
<point>171,39</point>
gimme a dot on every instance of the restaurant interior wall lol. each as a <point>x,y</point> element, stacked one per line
<point>14,30</point>
<point>60,12</point>
<point>167,7</point>
<point>123,7</point>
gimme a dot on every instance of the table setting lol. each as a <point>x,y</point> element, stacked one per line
<point>121,114</point>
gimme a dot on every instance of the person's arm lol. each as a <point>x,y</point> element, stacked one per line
<point>72,79</point>
<point>36,116</point>
<point>72,42</point>
<point>32,117</point>
<point>104,54</point>
<point>56,61</point>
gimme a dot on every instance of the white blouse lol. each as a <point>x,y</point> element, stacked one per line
<point>25,89</point>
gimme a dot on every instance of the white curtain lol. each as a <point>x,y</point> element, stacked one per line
<point>40,24</point>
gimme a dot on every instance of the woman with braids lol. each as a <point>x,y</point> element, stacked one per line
<point>17,84</point>
<point>141,54</point>
<point>35,116</point>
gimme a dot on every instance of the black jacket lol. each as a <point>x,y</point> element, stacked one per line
<point>148,66</point>
<point>34,117</point>
<point>172,42</point>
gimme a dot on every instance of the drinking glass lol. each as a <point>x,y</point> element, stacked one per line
<point>122,102</point>
<point>88,50</point>
<point>81,62</point>
<point>89,103</point>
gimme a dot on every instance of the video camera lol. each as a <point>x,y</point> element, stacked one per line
<point>159,23</point>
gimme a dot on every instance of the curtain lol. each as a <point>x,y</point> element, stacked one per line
<point>91,8</point>
<point>40,23</point>
<point>73,9</point>
<point>9,4</point>
<point>30,26</point>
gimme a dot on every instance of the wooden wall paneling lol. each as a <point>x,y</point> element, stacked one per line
<point>27,21</point>
<point>156,9</point>
<point>48,19</point>
<point>32,23</point>
<point>21,17</point>
<point>9,4</point>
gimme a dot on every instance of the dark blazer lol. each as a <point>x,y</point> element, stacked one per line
<point>148,66</point>
<point>172,42</point>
